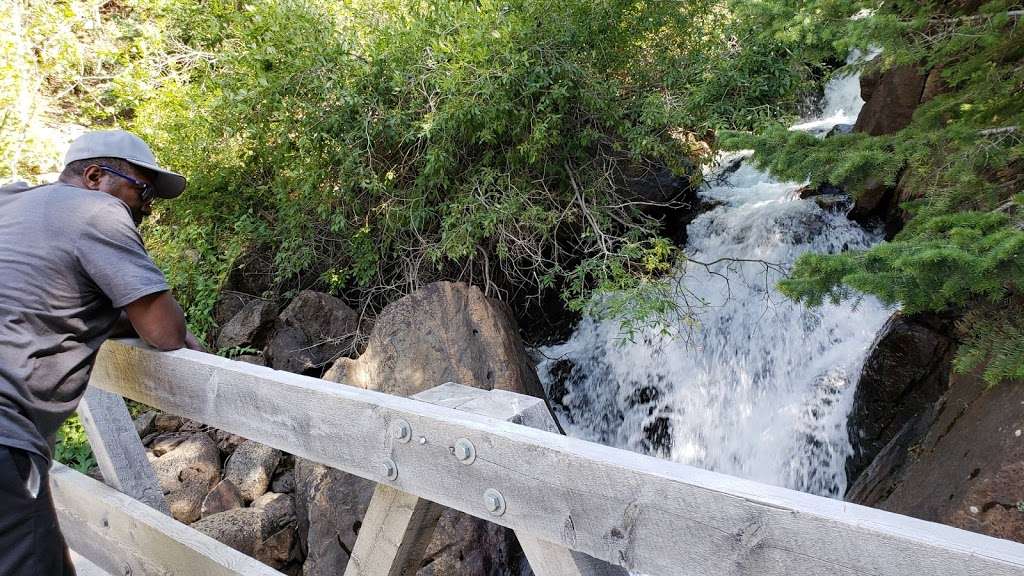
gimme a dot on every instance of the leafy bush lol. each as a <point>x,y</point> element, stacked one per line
<point>373,146</point>
<point>72,448</point>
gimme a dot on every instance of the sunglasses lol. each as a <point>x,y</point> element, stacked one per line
<point>146,191</point>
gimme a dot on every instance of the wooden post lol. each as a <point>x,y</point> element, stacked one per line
<point>398,526</point>
<point>118,449</point>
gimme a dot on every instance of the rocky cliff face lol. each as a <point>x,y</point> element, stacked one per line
<point>959,462</point>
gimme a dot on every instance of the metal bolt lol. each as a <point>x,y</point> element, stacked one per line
<point>494,502</point>
<point>465,451</point>
<point>390,469</point>
<point>401,431</point>
<point>423,440</point>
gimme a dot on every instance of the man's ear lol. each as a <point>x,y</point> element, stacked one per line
<point>91,177</point>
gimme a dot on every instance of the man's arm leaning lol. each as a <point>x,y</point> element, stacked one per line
<point>158,319</point>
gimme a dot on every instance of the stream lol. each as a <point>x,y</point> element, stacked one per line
<point>761,387</point>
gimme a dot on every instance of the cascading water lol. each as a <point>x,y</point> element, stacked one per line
<point>762,387</point>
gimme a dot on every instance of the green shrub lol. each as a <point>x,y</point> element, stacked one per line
<point>375,145</point>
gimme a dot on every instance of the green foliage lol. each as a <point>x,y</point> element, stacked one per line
<point>65,63</point>
<point>959,164</point>
<point>378,145</point>
<point>72,448</point>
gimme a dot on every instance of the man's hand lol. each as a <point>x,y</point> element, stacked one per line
<point>193,343</point>
<point>158,320</point>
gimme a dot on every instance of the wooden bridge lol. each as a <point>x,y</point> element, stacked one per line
<point>577,508</point>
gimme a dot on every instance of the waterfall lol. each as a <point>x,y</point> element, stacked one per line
<point>762,387</point>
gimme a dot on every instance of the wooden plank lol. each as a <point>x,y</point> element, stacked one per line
<point>119,451</point>
<point>396,531</point>
<point>646,514</point>
<point>83,567</point>
<point>123,536</point>
<point>546,558</point>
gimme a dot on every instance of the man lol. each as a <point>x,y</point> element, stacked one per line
<point>72,264</point>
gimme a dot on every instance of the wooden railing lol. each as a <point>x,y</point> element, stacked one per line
<point>576,507</point>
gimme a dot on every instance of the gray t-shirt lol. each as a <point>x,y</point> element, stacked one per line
<point>70,259</point>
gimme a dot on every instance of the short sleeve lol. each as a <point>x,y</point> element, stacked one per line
<point>111,253</point>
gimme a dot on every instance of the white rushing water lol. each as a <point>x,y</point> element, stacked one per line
<point>763,387</point>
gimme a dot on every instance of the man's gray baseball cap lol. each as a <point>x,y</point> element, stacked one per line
<point>128,147</point>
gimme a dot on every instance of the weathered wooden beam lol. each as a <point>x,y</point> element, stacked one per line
<point>83,567</point>
<point>546,558</point>
<point>123,536</point>
<point>646,514</point>
<point>118,449</point>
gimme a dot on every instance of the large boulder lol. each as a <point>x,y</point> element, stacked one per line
<point>329,506</point>
<point>186,475</point>
<point>890,99</point>
<point>904,374</point>
<point>311,332</point>
<point>251,467</point>
<point>443,332</point>
<point>467,545</point>
<point>250,326</point>
<point>255,531</point>
<point>224,496</point>
<point>966,470</point>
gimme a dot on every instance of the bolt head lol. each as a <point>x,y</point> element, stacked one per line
<point>465,451</point>
<point>494,502</point>
<point>390,469</point>
<point>401,430</point>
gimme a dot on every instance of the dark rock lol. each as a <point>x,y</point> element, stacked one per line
<point>824,189</point>
<point>643,395</point>
<point>167,423</point>
<point>329,507</point>
<point>279,507</point>
<point>464,545</point>
<point>144,423</point>
<point>890,100</point>
<point>284,482</point>
<point>251,359</point>
<point>560,373</point>
<point>834,202</point>
<point>934,85</point>
<point>312,331</point>
<point>229,303</point>
<point>658,435</point>
<point>186,475</point>
<point>253,273</point>
<point>251,467</point>
<point>276,550</point>
<point>191,426</point>
<point>668,197</point>
<point>443,332</point>
<point>904,374</point>
<point>966,471</point>
<point>227,442</point>
<point>871,203</point>
<point>839,129</point>
<point>161,444</point>
<point>223,496</point>
<point>250,327</point>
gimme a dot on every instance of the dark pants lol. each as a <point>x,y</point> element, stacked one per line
<point>30,540</point>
